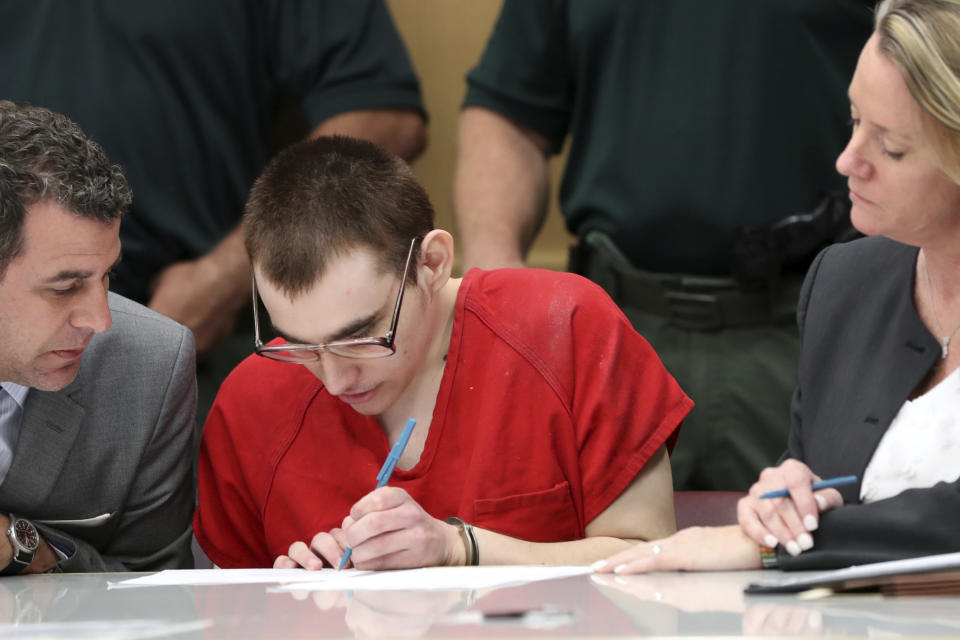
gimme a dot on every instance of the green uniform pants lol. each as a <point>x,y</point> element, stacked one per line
<point>740,372</point>
<point>741,380</point>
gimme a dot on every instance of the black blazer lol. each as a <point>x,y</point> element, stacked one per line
<point>864,351</point>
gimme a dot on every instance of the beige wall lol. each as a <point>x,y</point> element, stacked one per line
<point>445,39</point>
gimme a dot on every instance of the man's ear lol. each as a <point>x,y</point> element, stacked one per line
<point>436,260</point>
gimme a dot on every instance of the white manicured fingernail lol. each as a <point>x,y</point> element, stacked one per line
<point>620,569</point>
<point>793,548</point>
<point>821,501</point>
<point>599,564</point>
<point>805,540</point>
<point>770,541</point>
<point>810,523</point>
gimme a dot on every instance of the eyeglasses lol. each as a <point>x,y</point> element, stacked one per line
<point>354,348</point>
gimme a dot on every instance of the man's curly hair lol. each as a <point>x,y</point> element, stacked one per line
<point>45,156</point>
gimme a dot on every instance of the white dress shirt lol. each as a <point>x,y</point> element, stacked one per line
<point>922,445</point>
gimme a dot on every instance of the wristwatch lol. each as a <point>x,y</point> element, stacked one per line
<point>24,541</point>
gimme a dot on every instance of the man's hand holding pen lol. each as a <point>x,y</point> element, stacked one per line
<point>325,547</point>
<point>386,529</point>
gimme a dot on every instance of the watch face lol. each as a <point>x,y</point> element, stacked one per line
<point>26,535</point>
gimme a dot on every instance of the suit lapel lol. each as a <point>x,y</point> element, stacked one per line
<point>902,361</point>
<point>51,421</point>
<point>901,373</point>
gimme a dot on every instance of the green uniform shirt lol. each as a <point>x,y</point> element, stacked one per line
<point>182,92</point>
<point>689,117</point>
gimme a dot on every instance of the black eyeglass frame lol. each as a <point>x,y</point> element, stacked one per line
<point>387,342</point>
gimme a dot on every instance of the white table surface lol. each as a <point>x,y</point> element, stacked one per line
<point>666,605</point>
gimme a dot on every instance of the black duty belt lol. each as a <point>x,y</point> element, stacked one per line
<point>701,303</point>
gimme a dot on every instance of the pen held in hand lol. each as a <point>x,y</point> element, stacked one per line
<point>386,471</point>
<point>823,484</point>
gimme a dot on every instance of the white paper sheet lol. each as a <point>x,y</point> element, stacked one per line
<point>434,578</point>
<point>103,629</point>
<point>192,577</point>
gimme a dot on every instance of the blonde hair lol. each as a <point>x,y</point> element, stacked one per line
<point>922,38</point>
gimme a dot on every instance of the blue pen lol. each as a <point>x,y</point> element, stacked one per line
<point>387,470</point>
<point>823,484</point>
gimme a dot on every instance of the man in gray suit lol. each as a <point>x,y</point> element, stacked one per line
<point>96,421</point>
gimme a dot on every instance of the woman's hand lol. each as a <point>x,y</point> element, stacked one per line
<point>692,549</point>
<point>786,521</point>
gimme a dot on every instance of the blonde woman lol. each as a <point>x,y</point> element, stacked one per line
<point>879,391</point>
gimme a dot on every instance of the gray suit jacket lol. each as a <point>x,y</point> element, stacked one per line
<point>105,464</point>
<point>864,351</point>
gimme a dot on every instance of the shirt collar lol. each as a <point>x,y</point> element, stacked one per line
<point>17,391</point>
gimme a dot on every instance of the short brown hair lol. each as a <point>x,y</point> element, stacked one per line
<point>45,156</point>
<point>322,198</point>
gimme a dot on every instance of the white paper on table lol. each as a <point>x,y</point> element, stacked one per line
<point>103,629</point>
<point>196,577</point>
<point>435,578</point>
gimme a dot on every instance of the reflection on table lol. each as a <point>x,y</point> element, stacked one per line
<point>671,604</point>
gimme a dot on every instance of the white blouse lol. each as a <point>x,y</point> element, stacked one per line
<point>922,445</point>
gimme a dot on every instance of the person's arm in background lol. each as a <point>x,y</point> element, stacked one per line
<point>399,131</point>
<point>349,66</point>
<point>516,113</point>
<point>500,189</point>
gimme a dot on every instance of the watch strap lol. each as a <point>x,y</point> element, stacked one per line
<point>768,558</point>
